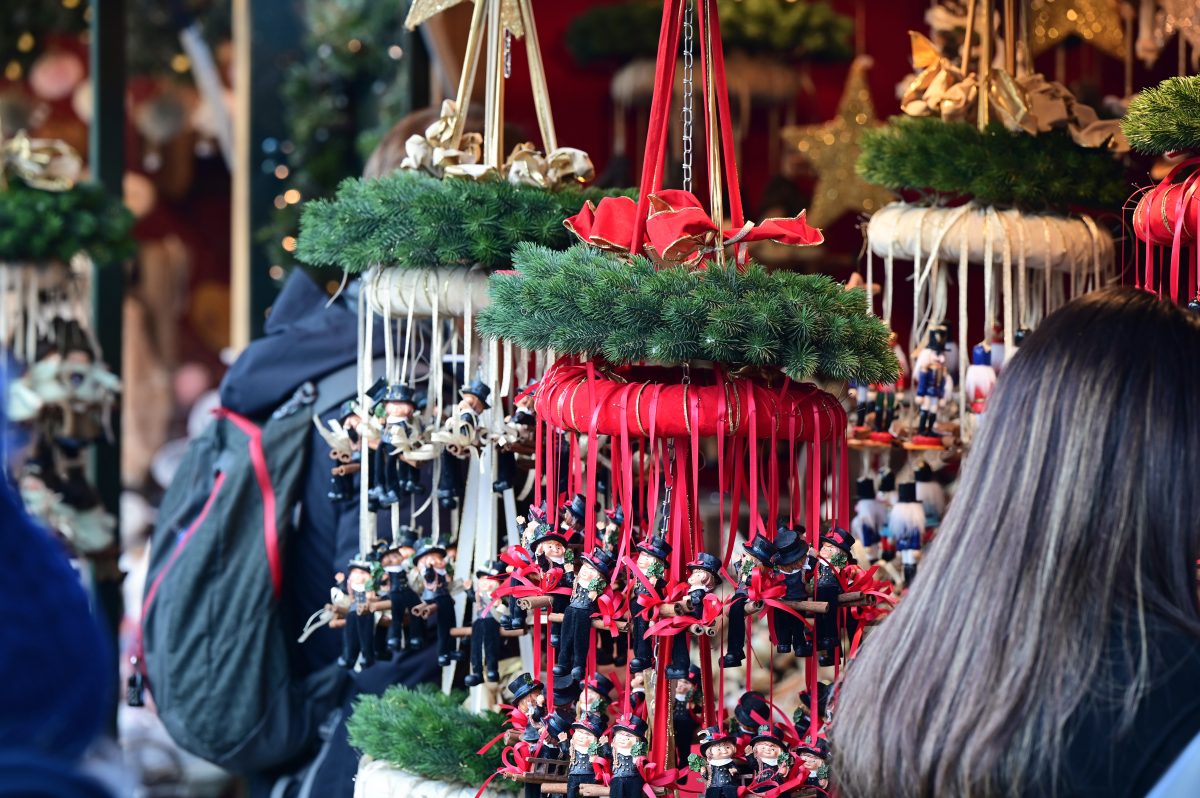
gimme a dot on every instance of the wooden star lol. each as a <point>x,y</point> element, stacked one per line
<point>1097,22</point>
<point>832,150</point>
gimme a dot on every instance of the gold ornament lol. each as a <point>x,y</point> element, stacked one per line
<point>46,164</point>
<point>832,149</point>
<point>422,10</point>
<point>1097,22</point>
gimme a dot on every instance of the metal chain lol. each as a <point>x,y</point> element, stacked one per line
<point>686,113</point>
<point>507,53</point>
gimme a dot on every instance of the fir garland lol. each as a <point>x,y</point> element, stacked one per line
<point>37,226</point>
<point>409,219</point>
<point>994,167</point>
<point>810,29</point>
<point>1165,117</point>
<point>586,302</point>
<point>426,733</point>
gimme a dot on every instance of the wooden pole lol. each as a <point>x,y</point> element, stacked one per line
<point>985,66</point>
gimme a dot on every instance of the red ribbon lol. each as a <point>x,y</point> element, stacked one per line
<point>611,607</point>
<point>678,229</point>
<point>655,775</point>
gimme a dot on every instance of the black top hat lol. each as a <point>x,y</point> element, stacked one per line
<point>427,546</point>
<point>818,747</point>
<point>602,561</point>
<point>557,724</point>
<point>632,724</point>
<point>769,733</point>
<point>591,722</point>
<point>938,334</point>
<point>656,547</point>
<point>707,562</point>
<point>865,488</point>
<point>358,564</point>
<point>790,546</point>
<point>397,392</point>
<point>887,481</point>
<point>599,683</point>
<point>523,685</point>
<point>761,548</point>
<point>711,736</point>
<point>492,569</point>
<point>907,492</point>
<point>751,704</point>
<point>577,507</point>
<point>617,516</point>
<point>1020,334</point>
<point>406,537</point>
<point>693,674</point>
<point>479,391</point>
<point>566,690</point>
<point>923,473</point>
<point>377,391</point>
<point>545,533</point>
<point>840,538</point>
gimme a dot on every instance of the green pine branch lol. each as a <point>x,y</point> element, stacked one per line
<point>38,225</point>
<point>584,301</point>
<point>426,733</point>
<point>993,167</point>
<point>1165,117</point>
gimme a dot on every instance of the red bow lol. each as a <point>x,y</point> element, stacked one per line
<point>518,720</point>
<point>514,761</point>
<point>769,590</point>
<point>522,562</point>
<point>611,607</point>
<point>655,775</point>
<point>603,770</point>
<point>678,230</point>
<point>665,627</point>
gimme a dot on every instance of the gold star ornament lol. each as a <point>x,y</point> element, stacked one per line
<point>832,148</point>
<point>1097,22</point>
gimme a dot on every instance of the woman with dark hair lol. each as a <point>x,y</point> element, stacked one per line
<point>1052,644</point>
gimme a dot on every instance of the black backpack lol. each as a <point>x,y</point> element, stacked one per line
<point>213,648</point>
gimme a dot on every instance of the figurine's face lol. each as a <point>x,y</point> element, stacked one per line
<point>472,403</point>
<point>357,579</point>
<point>721,750</point>
<point>646,561</point>
<point>699,578</point>
<point>399,409</point>
<point>486,584</point>
<point>587,573</point>
<point>581,740</point>
<point>392,558</point>
<point>637,680</point>
<point>526,402</point>
<point>683,687</point>
<point>530,701</point>
<point>552,549</point>
<point>352,421</point>
<point>766,750</point>
<point>433,560</point>
<point>829,551</point>
<point>811,761</point>
<point>623,742</point>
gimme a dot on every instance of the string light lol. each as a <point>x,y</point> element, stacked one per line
<point>354,45</point>
<point>291,196</point>
<point>25,42</point>
<point>395,52</point>
<point>181,63</point>
<point>12,71</point>
<point>289,243</point>
<point>281,171</point>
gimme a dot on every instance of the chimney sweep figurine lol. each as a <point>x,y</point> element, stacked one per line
<point>461,430</point>
<point>430,561</point>
<point>567,693</point>
<point>342,436</point>
<point>750,712</point>
<point>770,759</point>
<point>756,558</point>
<point>836,545</point>
<point>518,432</point>
<point>529,698</point>
<point>703,577</point>
<point>396,561</point>
<point>628,751</point>
<point>802,717</point>
<point>582,748</point>
<point>485,627</point>
<point>594,575</point>
<point>571,519</point>
<point>870,517</point>
<point>596,694</point>
<point>358,636</point>
<point>402,432</point>
<point>683,715</point>
<point>652,564</point>
<point>553,562</point>
<point>813,756</point>
<point>515,618</point>
<point>716,764</point>
<point>931,376</point>
<point>549,746</point>
<point>792,562</point>
<point>906,525</point>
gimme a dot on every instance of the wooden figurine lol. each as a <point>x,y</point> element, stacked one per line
<point>930,373</point>
<point>770,758</point>
<point>793,563</point>
<point>756,558</point>
<point>716,763</point>
<point>870,517</point>
<point>595,573</point>
<point>485,627</point>
<point>906,526</point>
<point>703,577</point>
<point>358,636</point>
<point>582,749</point>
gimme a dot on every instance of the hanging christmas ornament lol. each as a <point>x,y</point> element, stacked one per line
<point>832,149</point>
<point>906,528</point>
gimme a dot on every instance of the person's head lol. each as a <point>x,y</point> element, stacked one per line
<point>1074,518</point>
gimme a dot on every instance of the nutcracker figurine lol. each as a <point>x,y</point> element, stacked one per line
<point>430,560</point>
<point>703,577</point>
<point>358,637</point>
<point>836,545</point>
<point>906,526</point>
<point>931,377</point>
<point>930,494</point>
<point>485,627</point>
<point>770,759</point>
<point>870,517</point>
<point>793,562</point>
<point>582,749</point>
<point>887,497</point>
<point>594,575</point>
<point>716,763</point>
<point>980,379</point>
<point>628,751</point>
<point>885,398</point>
<point>757,556</point>
<point>651,564</point>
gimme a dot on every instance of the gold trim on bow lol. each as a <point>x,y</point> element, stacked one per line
<point>46,164</point>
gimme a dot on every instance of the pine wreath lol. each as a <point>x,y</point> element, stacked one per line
<point>409,219</point>
<point>994,167</point>
<point>1165,117</point>
<point>38,226</point>
<point>583,301</point>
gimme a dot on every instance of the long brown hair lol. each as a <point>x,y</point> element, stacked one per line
<point>1076,522</point>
